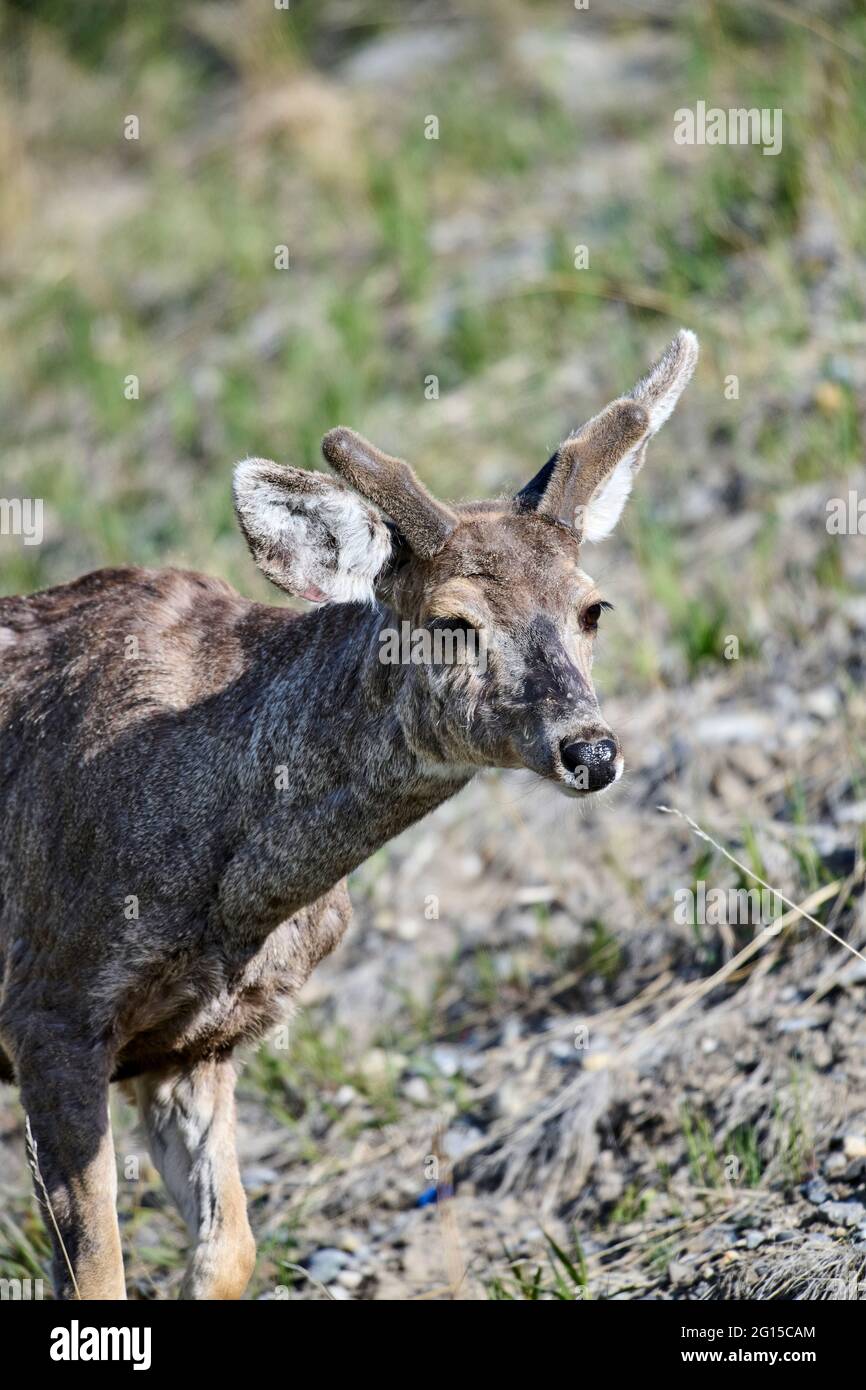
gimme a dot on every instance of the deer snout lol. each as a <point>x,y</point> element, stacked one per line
<point>594,764</point>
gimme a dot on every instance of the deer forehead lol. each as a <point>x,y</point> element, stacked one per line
<point>502,543</point>
<point>506,562</point>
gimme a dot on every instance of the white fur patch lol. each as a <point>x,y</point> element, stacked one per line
<point>658,392</point>
<point>604,510</point>
<point>325,544</point>
<point>664,383</point>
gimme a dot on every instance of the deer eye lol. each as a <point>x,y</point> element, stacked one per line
<point>590,615</point>
<point>453,625</point>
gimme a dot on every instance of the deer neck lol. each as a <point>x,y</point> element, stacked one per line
<point>343,753</point>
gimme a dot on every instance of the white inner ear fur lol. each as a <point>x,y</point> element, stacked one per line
<point>662,387</point>
<point>325,545</point>
<point>658,392</point>
<point>604,510</point>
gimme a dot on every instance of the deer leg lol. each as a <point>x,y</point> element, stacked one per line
<point>71,1154</point>
<point>190,1122</point>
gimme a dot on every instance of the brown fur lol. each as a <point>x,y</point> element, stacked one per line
<point>585,460</point>
<point>392,485</point>
<point>186,779</point>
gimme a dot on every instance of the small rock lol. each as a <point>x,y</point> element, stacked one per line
<point>324,1265</point>
<point>400,57</point>
<point>379,1066</point>
<point>816,1191</point>
<point>446,1060</point>
<point>822,702</point>
<point>350,1279</point>
<point>561,1050</point>
<point>512,1030</point>
<point>338,1293</point>
<point>471,1063</point>
<point>503,965</point>
<point>610,1188</point>
<point>854,1146</point>
<point>506,1100</point>
<point>459,1139</point>
<point>843,1213</point>
<point>355,1243</point>
<point>798,1025</point>
<point>541,893</point>
<point>753,1239</point>
<point>822,1053</point>
<point>680,1274</point>
<point>416,1089</point>
<point>258,1176</point>
<point>739,727</point>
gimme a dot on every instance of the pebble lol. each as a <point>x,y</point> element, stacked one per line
<point>459,1139</point>
<point>355,1242</point>
<point>512,1030</point>
<point>257,1176</point>
<point>597,1061</point>
<point>324,1265</point>
<point>816,1192</point>
<point>416,1089</point>
<point>822,1053</point>
<point>739,727</point>
<point>843,1213</point>
<point>379,1066</point>
<point>446,1060</point>
<point>822,702</point>
<point>798,1025</point>
<point>506,1100</point>
<point>561,1050</point>
<point>681,1274</point>
<point>835,1165</point>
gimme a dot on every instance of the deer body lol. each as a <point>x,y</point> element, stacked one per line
<point>186,779</point>
<point>200,894</point>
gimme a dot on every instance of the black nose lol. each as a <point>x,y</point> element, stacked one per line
<point>593,764</point>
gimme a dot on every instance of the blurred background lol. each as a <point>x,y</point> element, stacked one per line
<point>461,228</point>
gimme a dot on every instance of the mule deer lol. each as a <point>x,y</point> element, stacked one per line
<point>186,779</point>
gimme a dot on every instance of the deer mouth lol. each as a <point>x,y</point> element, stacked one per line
<point>566,790</point>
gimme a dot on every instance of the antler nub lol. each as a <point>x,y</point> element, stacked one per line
<point>391,484</point>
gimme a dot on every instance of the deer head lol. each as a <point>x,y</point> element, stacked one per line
<point>508,571</point>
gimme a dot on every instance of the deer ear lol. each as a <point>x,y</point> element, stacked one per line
<point>587,481</point>
<point>309,534</point>
<point>657,393</point>
<point>597,518</point>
